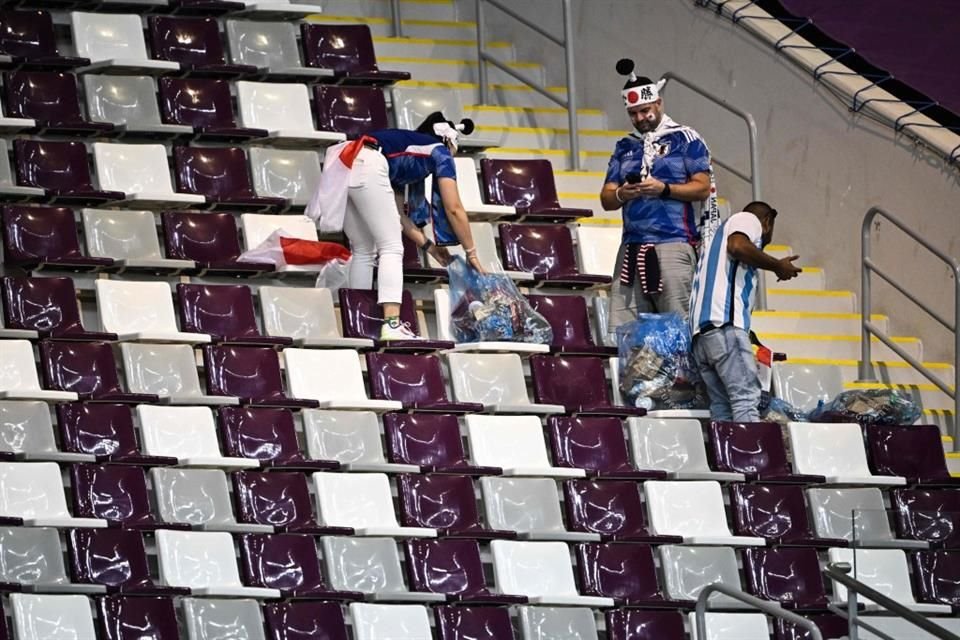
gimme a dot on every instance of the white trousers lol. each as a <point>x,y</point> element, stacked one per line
<point>372,224</point>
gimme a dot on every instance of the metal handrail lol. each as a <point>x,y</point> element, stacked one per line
<point>484,58</point>
<point>770,608</point>
<point>395,16</point>
<point>837,571</point>
<point>869,329</point>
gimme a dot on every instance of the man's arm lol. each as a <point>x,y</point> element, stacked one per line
<point>694,190</point>
<point>742,250</point>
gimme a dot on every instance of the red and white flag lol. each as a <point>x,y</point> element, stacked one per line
<point>328,204</point>
<point>281,249</point>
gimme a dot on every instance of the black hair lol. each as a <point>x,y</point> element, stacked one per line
<point>761,209</point>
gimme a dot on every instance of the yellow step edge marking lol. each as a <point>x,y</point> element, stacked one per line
<point>943,413</point>
<point>450,61</point>
<point>547,130</point>
<point>919,386</point>
<point>574,195</point>
<point>551,152</point>
<point>877,363</point>
<point>828,338</point>
<point>815,314</point>
<point>322,17</point>
<point>585,174</point>
<point>778,247</point>
<point>491,107</point>
<point>439,41</point>
<point>825,293</point>
<point>601,222</point>
<point>444,84</point>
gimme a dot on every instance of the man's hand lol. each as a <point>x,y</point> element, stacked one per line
<point>474,262</point>
<point>628,191</point>
<point>650,188</point>
<point>440,254</point>
<point>786,270</point>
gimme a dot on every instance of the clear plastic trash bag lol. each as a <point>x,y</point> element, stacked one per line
<point>868,406</point>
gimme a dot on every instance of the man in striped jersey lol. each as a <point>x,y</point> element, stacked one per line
<point>724,291</point>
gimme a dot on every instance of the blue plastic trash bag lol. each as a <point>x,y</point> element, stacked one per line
<point>489,307</point>
<point>868,406</point>
<point>780,411</point>
<point>656,368</point>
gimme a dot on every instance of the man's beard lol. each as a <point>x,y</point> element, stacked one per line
<point>646,126</point>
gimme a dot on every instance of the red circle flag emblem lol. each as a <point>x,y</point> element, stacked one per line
<point>632,96</point>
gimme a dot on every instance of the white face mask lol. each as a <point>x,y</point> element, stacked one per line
<point>448,134</point>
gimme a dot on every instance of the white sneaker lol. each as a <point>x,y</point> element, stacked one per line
<point>401,331</point>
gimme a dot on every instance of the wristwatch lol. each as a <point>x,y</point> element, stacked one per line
<point>666,191</point>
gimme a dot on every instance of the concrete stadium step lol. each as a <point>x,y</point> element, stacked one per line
<point>409,9</point>
<point>412,27</point>
<point>387,47</point>
<point>843,347</point>
<point>499,116</point>
<point>458,70</point>
<point>580,181</point>
<point>511,94</point>
<point>889,371</point>
<point>779,250</point>
<point>811,322</point>
<point>559,158</point>
<point>551,137</point>
<point>810,279</point>
<point>780,299</point>
<point>927,395</point>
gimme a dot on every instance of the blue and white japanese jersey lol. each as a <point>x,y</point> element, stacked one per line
<point>672,154</point>
<point>724,290</point>
<point>413,156</point>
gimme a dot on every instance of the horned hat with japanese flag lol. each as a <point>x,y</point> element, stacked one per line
<point>637,90</point>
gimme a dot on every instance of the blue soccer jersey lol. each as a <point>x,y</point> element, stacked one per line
<point>413,156</point>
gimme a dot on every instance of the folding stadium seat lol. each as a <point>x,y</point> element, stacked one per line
<point>199,498</point>
<point>835,451</point>
<point>529,506</point>
<point>209,239</point>
<point>468,184</point>
<point>884,570</point>
<point>372,567</point>
<point>788,575</point>
<point>130,104</point>
<point>224,312</point>
<point>352,438</point>
<point>446,503</point>
<point>611,509</point>
<point>26,433</point>
<point>412,106</point>
<point>362,318</point>
<point>289,563</point>
<point>639,624</point>
<point>856,515</point>
<point>414,271</point>
<point>831,626</point>
<point>541,571</point>
<point>284,173</point>
<point>194,44</point>
<point>272,48</point>
<point>87,369</point>
<point>331,377</point>
<point>352,111</point>
<point>187,434</point>
<point>776,512</point>
<point>597,248</point>
<point>430,441</point>
<point>141,311</point>
<point>804,386</point>
<point>140,172</point>
<point>117,494</point>
<point>515,444</point>
<point>376,621</point>
<point>692,510</point>
<point>482,623</point>
<point>28,37</point>
<point>931,515</point>
<point>31,494</point>
<point>206,106</point>
<point>306,315</point>
<point>123,617</point>
<point>496,381</point>
<point>61,169</point>
<point>936,576</point>
<point>595,444</point>
<point>33,561</point>
<point>18,377</point>
<point>115,42</point>
<point>624,572</point>
<point>675,446</point>
<point>914,452</point>
<point>570,322</point>
<point>528,186</point>
<point>112,559</point>
<point>129,238</point>
<point>258,227</point>
<point>441,299</point>
<point>557,622</point>
<point>47,307</point>
<point>275,10</point>
<point>104,431</point>
<point>52,100</point>
<point>347,49</point>
<point>221,175</point>
<point>452,568</point>
<point>732,626</point>
<point>10,192</point>
<point>251,374</point>
<point>303,620</point>
<point>267,435</point>
<point>688,569</point>
<point>32,619</point>
<point>169,371</point>
<point>12,125</point>
<point>35,238</point>
<point>361,501</point>
<point>577,383</point>
<point>203,562</point>
<point>280,500</point>
<point>283,110</point>
<point>755,449</point>
<point>208,617</point>
<point>415,380</point>
<point>203,7</point>
<point>546,251</point>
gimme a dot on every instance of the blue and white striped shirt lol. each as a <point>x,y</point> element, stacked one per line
<point>724,290</point>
